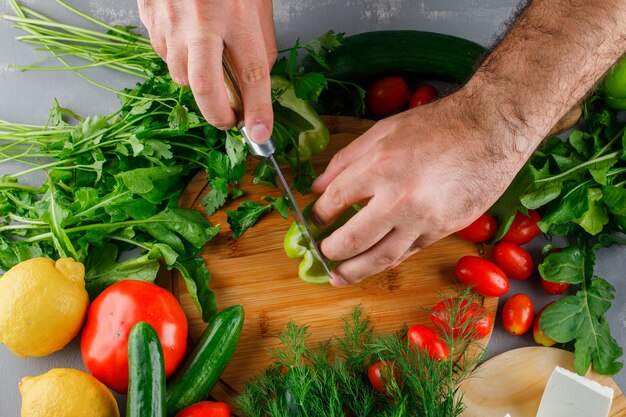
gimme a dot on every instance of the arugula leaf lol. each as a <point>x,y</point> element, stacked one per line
<point>56,214</point>
<point>565,266</point>
<point>594,219</point>
<point>245,216</point>
<point>197,278</point>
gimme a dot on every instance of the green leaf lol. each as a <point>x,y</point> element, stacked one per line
<point>141,106</point>
<point>245,216</point>
<point>308,86</point>
<point>599,171</point>
<point>573,205</point>
<point>542,193</point>
<point>103,270</point>
<point>197,278</point>
<point>594,219</point>
<point>181,119</point>
<point>216,197</point>
<point>507,206</point>
<point>57,213</point>
<point>235,149</point>
<point>188,223</point>
<point>615,200</point>
<point>219,164</point>
<point>154,184</point>
<point>582,142</point>
<point>565,266</point>
<point>90,130</point>
<point>279,204</point>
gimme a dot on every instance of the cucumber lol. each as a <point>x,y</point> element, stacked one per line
<point>146,372</point>
<point>203,367</point>
<point>428,54</point>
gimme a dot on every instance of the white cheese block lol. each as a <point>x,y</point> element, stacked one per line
<point>570,395</point>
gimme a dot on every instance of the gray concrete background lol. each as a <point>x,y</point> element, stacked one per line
<point>27,97</point>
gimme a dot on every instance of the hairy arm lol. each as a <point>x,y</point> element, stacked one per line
<point>431,170</point>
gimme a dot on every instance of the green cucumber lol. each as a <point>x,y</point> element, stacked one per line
<point>203,367</point>
<point>146,373</point>
<point>373,54</point>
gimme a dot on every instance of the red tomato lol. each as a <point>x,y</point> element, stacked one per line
<point>554,288</point>
<point>104,342</point>
<point>423,337</point>
<point>483,228</point>
<point>524,228</point>
<point>474,318</point>
<point>518,314</point>
<point>484,277</point>
<point>538,334</point>
<point>378,374</point>
<point>205,409</point>
<point>513,260</point>
<point>423,94</point>
<point>387,96</point>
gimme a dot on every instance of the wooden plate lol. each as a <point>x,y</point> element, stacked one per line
<point>254,271</point>
<point>513,383</point>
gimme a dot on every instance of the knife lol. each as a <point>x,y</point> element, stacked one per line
<point>265,151</point>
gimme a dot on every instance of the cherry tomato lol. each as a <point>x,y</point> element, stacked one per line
<point>104,342</point>
<point>538,335</point>
<point>484,277</point>
<point>423,337</point>
<point>518,314</point>
<point>524,228</point>
<point>481,229</point>
<point>554,288</point>
<point>513,260</point>
<point>378,374</point>
<point>205,409</point>
<point>423,94</point>
<point>473,318</point>
<point>387,96</point>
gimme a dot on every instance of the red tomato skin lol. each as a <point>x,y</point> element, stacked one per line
<point>423,337</point>
<point>538,335</point>
<point>423,94</point>
<point>481,229</point>
<point>518,314</point>
<point>206,409</point>
<point>484,277</point>
<point>513,260</point>
<point>524,228</point>
<point>104,340</point>
<point>554,288</point>
<point>481,320</point>
<point>377,372</point>
<point>387,96</point>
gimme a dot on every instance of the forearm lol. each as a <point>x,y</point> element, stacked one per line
<point>553,55</point>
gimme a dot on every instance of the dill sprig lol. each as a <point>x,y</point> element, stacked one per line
<point>331,379</point>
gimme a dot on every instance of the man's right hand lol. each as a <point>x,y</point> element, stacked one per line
<point>190,36</point>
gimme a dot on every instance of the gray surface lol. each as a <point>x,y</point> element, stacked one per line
<point>26,97</point>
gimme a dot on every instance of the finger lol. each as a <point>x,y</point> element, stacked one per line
<point>269,36</point>
<point>422,242</point>
<point>348,155</point>
<point>206,80</point>
<point>250,61</point>
<point>380,257</point>
<point>177,61</point>
<point>360,233</point>
<point>145,13</point>
<point>350,187</point>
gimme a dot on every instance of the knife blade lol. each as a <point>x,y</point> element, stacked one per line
<point>266,152</point>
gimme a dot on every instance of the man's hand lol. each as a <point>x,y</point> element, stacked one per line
<point>428,172</point>
<point>191,35</point>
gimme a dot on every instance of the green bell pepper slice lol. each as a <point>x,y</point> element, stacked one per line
<point>298,114</point>
<point>310,270</point>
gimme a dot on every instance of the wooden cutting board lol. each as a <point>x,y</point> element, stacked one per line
<point>254,271</point>
<point>513,383</point>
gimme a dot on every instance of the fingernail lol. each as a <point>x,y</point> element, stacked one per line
<point>337,280</point>
<point>260,133</point>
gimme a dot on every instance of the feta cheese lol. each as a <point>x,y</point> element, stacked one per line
<point>570,395</point>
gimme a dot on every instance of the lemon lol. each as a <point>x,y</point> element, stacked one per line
<point>43,304</point>
<point>66,392</point>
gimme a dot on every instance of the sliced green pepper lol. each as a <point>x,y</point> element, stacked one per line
<point>614,85</point>
<point>310,270</point>
<point>298,114</point>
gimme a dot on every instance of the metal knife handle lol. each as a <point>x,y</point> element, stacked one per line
<point>236,102</point>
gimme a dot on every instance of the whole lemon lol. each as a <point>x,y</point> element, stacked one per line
<point>43,305</point>
<point>66,392</point>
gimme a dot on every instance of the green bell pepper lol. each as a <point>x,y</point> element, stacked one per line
<point>614,85</point>
<point>298,114</point>
<point>310,269</point>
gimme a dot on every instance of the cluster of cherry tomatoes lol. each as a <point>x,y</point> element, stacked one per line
<point>390,95</point>
<point>510,261</point>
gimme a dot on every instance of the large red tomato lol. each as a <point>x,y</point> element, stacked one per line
<point>104,342</point>
<point>387,96</point>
